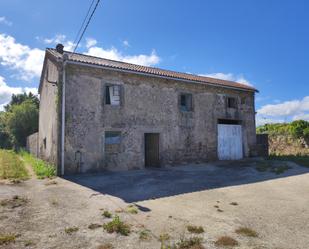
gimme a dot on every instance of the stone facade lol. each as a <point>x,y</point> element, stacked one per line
<point>32,144</point>
<point>148,105</point>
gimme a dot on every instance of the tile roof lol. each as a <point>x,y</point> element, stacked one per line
<point>87,59</point>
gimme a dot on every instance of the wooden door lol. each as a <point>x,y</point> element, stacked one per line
<point>152,158</point>
<point>230,146</point>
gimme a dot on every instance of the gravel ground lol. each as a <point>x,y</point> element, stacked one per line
<point>275,206</point>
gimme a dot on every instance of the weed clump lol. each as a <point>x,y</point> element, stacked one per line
<point>144,235</point>
<point>118,226</point>
<point>14,202</point>
<point>195,229</point>
<point>226,241</point>
<point>191,243</point>
<point>107,214</point>
<point>246,232</point>
<point>6,239</point>
<point>71,230</point>
<point>94,226</point>
<point>132,209</point>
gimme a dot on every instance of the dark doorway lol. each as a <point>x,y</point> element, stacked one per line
<point>152,158</point>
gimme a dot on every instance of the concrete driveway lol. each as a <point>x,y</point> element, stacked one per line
<point>139,185</point>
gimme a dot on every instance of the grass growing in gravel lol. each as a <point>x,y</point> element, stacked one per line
<point>246,232</point>
<point>118,226</point>
<point>226,241</point>
<point>106,246</point>
<point>298,159</point>
<point>11,167</point>
<point>144,235</point>
<point>195,229</point>
<point>132,209</point>
<point>41,168</point>
<point>6,239</point>
<point>191,243</point>
<point>107,214</point>
<point>268,166</point>
<point>14,202</point>
<point>94,226</point>
<point>70,230</point>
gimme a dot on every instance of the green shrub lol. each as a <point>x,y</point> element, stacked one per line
<point>195,229</point>
<point>118,226</point>
<point>41,168</point>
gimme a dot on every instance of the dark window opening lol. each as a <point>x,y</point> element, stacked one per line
<point>186,102</point>
<point>44,143</point>
<point>112,95</point>
<point>231,102</point>
<point>229,121</point>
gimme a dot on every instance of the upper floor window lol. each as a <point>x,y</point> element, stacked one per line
<point>186,102</point>
<point>112,95</point>
<point>231,102</point>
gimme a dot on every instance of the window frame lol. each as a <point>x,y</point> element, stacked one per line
<point>186,94</point>
<point>231,102</point>
<point>120,94</point>
<point>112,147</point>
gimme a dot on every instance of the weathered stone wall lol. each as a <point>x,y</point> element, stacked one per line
<point>48,117</point>
<point>149,105</point>
<point>32,144</point>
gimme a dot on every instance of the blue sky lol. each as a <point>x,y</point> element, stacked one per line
<point>263,43</point>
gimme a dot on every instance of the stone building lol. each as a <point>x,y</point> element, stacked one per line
<point>98,114</point>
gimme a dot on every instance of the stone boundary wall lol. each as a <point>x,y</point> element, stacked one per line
<point>262,145</point>
<point>32,144</point>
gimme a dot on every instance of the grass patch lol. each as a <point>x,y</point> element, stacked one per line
<point>14,202</point>
<point>29,243</point>
<point>107,214</point>
<point>41,168</point>
<point>268,166</point>
<point>71,230</point>
<point>195,229</point>
<point>300,160</point>
<point>191,243</point>
<point>11,167</point>
<point>246,232</point>
<point>132,209</point>
<point>226,241</point>
<point>164,237</point>
<point>118,226</point>
<point>6,239</point>
<point>106,246</point>
<point>144,235</point>
<point>94,226</point>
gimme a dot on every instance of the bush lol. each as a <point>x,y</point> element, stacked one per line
<point>41,168</point>
<point>118,226</point>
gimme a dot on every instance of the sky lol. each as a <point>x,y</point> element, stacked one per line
<point>263,43</point>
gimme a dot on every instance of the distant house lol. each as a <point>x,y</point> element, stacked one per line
<point>98,114</point>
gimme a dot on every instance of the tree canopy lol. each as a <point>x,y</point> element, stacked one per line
<point>19,120</point>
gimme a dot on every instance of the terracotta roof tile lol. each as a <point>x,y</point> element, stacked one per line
<point>76,57</point>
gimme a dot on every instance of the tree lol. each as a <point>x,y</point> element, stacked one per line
<point>22,121</point>
<point>19,120</point>
<point>298,127</point>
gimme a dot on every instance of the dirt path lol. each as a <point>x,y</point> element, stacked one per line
<point>276,209</point>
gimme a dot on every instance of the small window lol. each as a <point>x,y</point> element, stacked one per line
<point>112,141</point>
<point>112,95</point>
<point>231,102</point>
<point>186,102</point>
<point>44,143</point>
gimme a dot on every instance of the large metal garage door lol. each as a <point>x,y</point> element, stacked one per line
<point>229,142</point>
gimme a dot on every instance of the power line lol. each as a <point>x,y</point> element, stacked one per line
<point>83,23</point>
<point>90,17</point>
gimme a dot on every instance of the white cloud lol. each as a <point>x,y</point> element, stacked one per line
<point>283,112</point>
<point>126,43</point>
<point>114,54</point>
<point>7,91</point>
<point>20,57</point>
<point>286,108</point>
<point>5,21</point>
<point>90,42</point>
<point>60,38</point>
<point>229,76</point>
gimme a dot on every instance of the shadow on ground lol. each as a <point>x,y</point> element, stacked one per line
<point>139,185</point>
